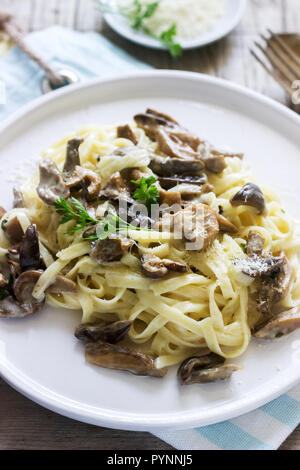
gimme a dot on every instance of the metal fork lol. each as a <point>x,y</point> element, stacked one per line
<point>283,54</point>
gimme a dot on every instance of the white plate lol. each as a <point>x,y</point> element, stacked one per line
<point>232,16</point>
<point>40,357</point>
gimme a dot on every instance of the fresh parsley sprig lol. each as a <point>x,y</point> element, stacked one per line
<point>109,225</point>
<point>140,13</point>
<point>168,38</point>
<point>75,212</point>
<point>136,16</point>
<point>147,191</point>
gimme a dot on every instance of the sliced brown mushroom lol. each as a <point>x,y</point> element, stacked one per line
<point>111,249</point>
<point>169,198</point>
<point>2,212</point>
<point>279,325</point>
<point>126,132</point>
<point>157,268</point>
<point>17,301</point>
<point>167,166</point>
<point>116,357</point>
<point>18,198</point>
<point>116,188</point>
<point>23,288</point>
<point>108,332</point>
<point>214,163</point>
<point>205,369</point>
<point>87,179</point>
<point>258,266</point>
<point>197,223</point>
<point>72,155</point>
<point>13,230</point>
<point>275,287</point>
<point>62,285</point>
<point>29,249</point>
<point>250,195</point>
<point>213,158</point>
<point>168,182</point>
<point>255,244</point>
<point>173,140</point>
<point>225,224</point>
<point>51,186</point>
<point>11,308</point>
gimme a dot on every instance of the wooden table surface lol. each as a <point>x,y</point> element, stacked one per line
<point>23,424</point>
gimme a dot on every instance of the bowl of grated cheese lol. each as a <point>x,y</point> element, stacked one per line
<point>174,25</point>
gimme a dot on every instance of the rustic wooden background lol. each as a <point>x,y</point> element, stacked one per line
<point>23,424</point>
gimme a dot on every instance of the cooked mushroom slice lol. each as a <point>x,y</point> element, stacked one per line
<point>23,288</point>
<point>116,357</point>
<point>18,198</point>
<point>13,230</point>
<point>2,212</point>
<point>72,155</point>
<point>116,188</point>
<point>15,268</point>
<point>51,186</point>
<point>198,224</point>
<point>169,198</point>
<point>204,369</point>
<point>225,225</point>
<point>255,244</point>
<point>185,192</point>
<point>110,333</point>
<point>172,139</point>
<point>10,308</point>
<point>168,182</point>
<point>111,249</point>
<point>126,132</point>
<point>258,266</point>
<point>275,287</point>
<point>157,268</point>
<point>30,250</point>
<point>250,195</point>
<point>213,158</point>
<point>279,325</point>
<point>87,179</point>
<point>62,285</point>
<point>167,166</point>
<point>214,163</point>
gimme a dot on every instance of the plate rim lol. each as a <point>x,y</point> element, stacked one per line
<point>126,420</point>
<point>187,44</point>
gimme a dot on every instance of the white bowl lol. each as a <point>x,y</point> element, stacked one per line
<point>232,16</point>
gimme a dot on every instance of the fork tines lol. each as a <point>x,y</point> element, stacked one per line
<point>284,63</point>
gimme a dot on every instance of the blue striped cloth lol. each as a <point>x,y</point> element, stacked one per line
<point>91,55</point>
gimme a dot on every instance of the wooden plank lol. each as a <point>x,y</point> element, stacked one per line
<point>26,425</point>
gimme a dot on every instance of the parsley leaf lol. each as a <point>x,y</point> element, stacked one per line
<point>75,212</point>
<point>168,38</point>
<point>139,13</point>
<point>136,14</point>
<point>111,223</point>
<point>147,191</point>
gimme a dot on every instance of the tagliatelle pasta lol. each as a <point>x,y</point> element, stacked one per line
<point>211,305</point>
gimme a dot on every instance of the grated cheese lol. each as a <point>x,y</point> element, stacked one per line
<point>192,17</point>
